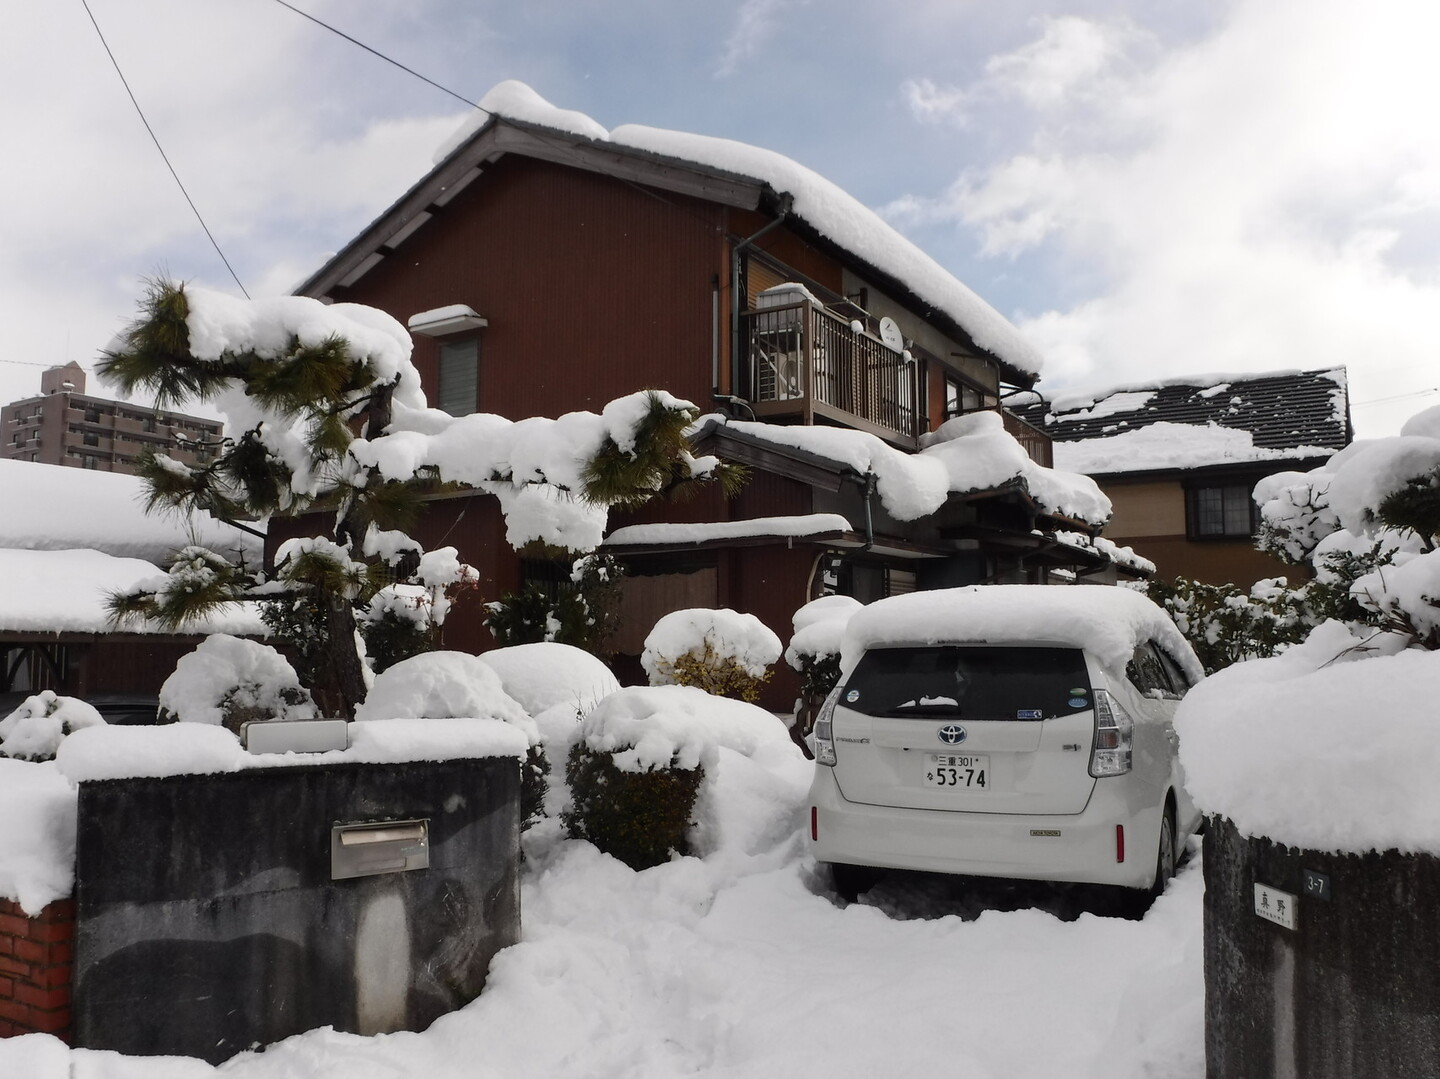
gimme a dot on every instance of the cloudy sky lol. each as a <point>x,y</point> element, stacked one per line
<point>1147,188</point>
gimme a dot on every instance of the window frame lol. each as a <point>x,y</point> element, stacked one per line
<point>442,345</point>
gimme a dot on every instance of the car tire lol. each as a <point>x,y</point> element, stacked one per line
<point>852,881</point>
<point>1166,857</point>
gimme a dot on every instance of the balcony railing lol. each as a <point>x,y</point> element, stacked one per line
<point>807,362</point>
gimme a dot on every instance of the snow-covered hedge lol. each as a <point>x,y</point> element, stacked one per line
<point>647,757</point>
<point>229,680</point>
<point>721,651</point>
<point>34,730</point>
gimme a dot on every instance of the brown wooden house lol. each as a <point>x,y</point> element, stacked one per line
<point>545,265</point>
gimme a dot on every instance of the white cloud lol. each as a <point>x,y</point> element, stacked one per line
<point>754,27</point>
<point>1246,199</point>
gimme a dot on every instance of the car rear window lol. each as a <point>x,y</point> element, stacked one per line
<point>976,682</point>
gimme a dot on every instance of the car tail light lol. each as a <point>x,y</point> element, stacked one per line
<point>1114,732</point>
<point>814,824</point>
<point>1119,842</point>
<point>824,741</point>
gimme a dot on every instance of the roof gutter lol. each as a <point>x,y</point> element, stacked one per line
<point>787,202</point>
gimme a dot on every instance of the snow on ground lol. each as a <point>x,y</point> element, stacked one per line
<point>741,965</point>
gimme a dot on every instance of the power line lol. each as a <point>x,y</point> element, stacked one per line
<point>125,82</point>
<point>1396,397</point>
<point>381,55</point>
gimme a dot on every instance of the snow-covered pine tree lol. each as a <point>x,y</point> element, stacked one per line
<point>325,412</point>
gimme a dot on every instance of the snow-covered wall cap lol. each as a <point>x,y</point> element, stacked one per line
<point>1349,728</point>
<point>55,508</point>
<point>65,592</point>
<point>113,752</point>
<point>832,212</point>
<point>37,842</point>
<point>1107,622</point>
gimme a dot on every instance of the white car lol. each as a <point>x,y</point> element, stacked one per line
<point>1018,731</point>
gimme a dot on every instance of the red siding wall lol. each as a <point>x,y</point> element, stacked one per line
<point>35,968</point>
<point>593,288</point>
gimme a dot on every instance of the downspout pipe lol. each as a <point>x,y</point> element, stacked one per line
<point>787,202</point>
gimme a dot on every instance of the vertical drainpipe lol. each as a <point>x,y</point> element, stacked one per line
<point>786,203</point>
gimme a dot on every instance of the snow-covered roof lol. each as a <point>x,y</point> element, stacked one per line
<point>966,455</point>
<point>65,592</point>
<point>832,213</point>
<point>52,507</point>
<point>1195,421</point>
<point>809,524</point>
<point>1107,622</point>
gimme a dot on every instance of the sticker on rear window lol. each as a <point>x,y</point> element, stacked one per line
<point>853,696</point>
<point>1030,713</point>
<point>1079,691</point>
<point>1078,702</point>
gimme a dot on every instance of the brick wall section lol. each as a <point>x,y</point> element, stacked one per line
<point>35,970</point>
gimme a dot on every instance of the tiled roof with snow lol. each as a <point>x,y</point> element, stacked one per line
<point>53,507</point>
<point>1196,421</point>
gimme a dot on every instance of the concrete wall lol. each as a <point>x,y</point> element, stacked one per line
<point>1352,990</point>
<point>207,921</point>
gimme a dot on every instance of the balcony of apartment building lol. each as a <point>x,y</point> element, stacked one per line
<point>809,362</point>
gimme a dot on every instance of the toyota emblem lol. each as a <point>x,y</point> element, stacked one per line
<point>952,734</point>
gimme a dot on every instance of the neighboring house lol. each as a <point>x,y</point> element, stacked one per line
<point>69,537</point>
<point>65,426</point>
<point>1180,458</point>
<point>547,265</point>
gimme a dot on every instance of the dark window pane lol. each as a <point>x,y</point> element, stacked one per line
<point>974,682</point>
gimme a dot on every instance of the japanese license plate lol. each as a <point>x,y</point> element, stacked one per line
<point>965,771</point>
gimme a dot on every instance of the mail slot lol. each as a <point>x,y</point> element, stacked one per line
<point>374,847</point>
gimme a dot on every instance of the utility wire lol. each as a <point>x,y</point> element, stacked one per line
<point>125,82</point>
<point>381,55</point>
<point>1397,397</point>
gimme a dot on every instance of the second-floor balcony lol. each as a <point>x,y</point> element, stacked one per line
<point>806,362</point>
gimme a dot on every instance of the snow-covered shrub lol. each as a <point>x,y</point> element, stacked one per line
<point>1406,597</point>
<point>34,731</point>
<point>643,755</point>
<point>584,613</point>
<point>542,675</point>
<point>1225,624</point>
<point>229,681</point>
<point>457,685</point>
<point>720,651</point>
<point>642,818</point>
<point>814,649</point>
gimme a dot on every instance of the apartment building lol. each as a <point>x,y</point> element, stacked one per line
<point>66,426</point>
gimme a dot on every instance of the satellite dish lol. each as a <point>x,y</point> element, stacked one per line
<point>891,335</point>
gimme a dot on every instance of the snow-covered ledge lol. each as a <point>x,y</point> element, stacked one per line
<point>201,749</point>
<point>455,318</point>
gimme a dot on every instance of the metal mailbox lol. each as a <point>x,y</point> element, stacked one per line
<point>367,849</point>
